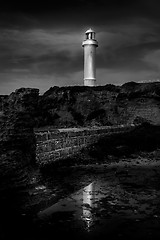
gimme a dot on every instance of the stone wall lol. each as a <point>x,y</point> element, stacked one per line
<point>55,144</point>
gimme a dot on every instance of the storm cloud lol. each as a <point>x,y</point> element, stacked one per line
<point>42,46</point>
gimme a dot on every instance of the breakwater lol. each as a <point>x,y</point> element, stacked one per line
<point>56,144</point>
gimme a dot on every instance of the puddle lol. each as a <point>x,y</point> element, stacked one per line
<point>118,203</point>
<point>82,204</point>
<point>101,205</point>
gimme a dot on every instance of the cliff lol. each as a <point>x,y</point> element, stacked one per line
<point>60,107</point>
<point>17,141</point>
<point>2,100</point>
<point>78,106</point>
<point>102,105</point>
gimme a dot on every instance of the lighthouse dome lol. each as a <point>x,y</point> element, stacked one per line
<point>90,31</point>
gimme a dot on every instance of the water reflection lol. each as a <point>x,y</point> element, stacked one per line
<point>88,204</point>
<point>101,201</point>
<point>92,196</point>
<point>81,204</point>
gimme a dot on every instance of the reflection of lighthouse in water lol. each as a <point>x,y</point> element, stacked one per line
<point>88,204</point>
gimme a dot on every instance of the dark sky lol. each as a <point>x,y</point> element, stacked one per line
<point>40,43</point>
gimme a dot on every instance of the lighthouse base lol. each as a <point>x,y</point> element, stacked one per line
<point>91,82</point>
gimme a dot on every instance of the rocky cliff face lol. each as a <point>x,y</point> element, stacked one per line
<point>17,141</point>
<point>102,105</point>
<point>75,106</point>
<point>78,106</point>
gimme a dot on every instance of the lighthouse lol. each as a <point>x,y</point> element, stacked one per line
<point>90,44</point>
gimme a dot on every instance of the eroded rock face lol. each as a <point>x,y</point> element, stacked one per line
<point>103,105</point>
<point>78,106</point>
<point>59,107</point>
<point>139,101</point>
<point>2,99</point>
<point>17,141</point>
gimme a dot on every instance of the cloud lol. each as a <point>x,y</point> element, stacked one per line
<point>40,50</point>
<point>16,79</point>
<point>118,77</point>
<point>124,46</point>
<point>153,58</point>
<point>42,46</point>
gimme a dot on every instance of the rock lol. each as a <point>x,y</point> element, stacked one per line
<point>17,141</point>
<point>98,106</point>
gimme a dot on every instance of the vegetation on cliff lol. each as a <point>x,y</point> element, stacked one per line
<point>97,106</point>
<point>78,106</point>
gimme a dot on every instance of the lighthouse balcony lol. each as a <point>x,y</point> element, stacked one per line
<point>90,42</point>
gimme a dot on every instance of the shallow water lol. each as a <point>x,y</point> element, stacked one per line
<point>119,204</point>
<point>90,202</point>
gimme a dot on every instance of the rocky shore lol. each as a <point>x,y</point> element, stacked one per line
<point>132,200</point>
<point>17,145</point>
<point>25,190</point>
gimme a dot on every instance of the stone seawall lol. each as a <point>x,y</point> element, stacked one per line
<point>55,144</point>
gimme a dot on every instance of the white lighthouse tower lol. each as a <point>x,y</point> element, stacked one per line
<point>90,44</point>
